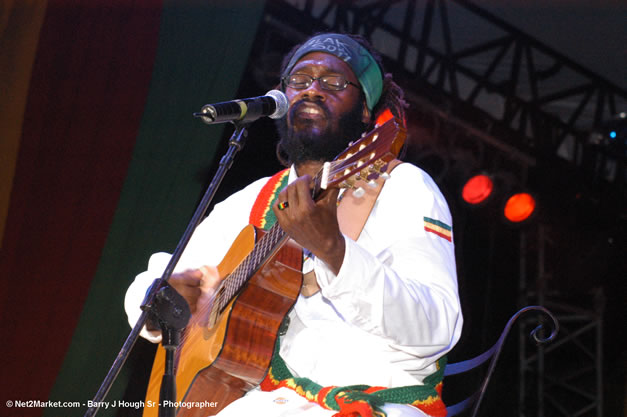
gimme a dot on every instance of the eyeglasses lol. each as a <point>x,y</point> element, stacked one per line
<point>326,82</point>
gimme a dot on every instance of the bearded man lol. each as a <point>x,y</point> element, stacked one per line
<point>379,310</point>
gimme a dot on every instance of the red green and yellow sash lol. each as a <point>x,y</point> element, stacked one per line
<point>261,214</point>
<point>359,400</point>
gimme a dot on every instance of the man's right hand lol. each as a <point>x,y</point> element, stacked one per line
<point>197,286</point>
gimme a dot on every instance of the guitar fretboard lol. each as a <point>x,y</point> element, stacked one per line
<point>263,249</point>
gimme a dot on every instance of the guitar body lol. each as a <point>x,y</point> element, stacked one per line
<point>219,364</point>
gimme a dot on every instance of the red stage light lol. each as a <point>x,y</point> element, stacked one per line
<point>519,207</point>
<point>384,117</point>
<point>477,189</point>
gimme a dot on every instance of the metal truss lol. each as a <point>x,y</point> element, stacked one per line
<point>483,72</point>
<point>566,377</point>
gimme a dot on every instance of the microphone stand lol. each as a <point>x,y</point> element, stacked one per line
<point>163,303</point>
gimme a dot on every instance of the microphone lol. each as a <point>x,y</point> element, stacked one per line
<point>274,105</point>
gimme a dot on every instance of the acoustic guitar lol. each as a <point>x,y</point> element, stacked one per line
<point>226,347</point>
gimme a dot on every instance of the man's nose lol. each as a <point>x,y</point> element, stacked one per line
<point>314,91</point>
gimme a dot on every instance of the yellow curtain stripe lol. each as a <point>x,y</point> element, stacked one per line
<point>20,24</point>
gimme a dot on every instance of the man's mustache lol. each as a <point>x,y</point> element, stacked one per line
<point>294,108</point>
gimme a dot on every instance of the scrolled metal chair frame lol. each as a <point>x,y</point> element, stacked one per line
<point>494,352</point>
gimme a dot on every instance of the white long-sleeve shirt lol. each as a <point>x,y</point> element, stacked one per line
<point>385,318</point>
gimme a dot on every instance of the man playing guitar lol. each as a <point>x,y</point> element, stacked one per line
<point>379,307</point>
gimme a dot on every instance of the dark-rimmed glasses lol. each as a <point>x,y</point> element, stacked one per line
<point>326,82</point>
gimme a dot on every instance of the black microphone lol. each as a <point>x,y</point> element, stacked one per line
<point>274,105</point>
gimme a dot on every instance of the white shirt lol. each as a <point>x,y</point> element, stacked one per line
<point>388,315</point>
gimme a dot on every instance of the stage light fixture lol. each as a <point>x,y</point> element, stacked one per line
<point>519,207</point>
<point>477,189</point>
<point>499,195</point>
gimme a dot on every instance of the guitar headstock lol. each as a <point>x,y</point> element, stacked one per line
<point>365,159</point>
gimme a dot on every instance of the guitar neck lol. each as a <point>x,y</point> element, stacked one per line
<point>269,243</point>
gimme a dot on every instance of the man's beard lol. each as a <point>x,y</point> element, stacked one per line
<point>305,144</point>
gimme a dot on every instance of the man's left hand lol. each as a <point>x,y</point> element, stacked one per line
<point>312,224</point>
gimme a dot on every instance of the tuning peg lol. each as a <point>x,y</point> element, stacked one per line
<point>372,184</point>
<point>385,175</point>
<point>359,192</point>
<point>348,183</point>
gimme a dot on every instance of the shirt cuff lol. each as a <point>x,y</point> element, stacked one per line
<point>324,275</point>
<point>131,303</point>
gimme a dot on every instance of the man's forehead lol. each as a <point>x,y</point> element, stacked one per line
<point>325,61</point>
